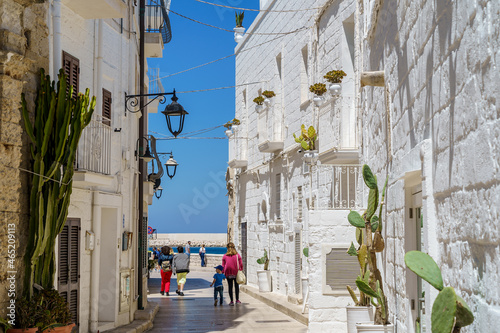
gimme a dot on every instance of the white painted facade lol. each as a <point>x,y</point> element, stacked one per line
<point>105,40</point>
<point>433,129</point>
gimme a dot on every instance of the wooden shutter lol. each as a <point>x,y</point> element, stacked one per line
<point>106,107</point>
<point>244,245</point>
<point>278,196</point>
<point>69,266</point>
<point>71,67</point>
<point>298,262</point>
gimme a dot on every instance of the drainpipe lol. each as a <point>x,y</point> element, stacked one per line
<point>96,262</point>
<point>56,44</point>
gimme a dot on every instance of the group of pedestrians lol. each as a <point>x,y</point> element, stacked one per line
<point>178,264</point>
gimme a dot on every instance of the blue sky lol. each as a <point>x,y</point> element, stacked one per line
<point>195,200</point>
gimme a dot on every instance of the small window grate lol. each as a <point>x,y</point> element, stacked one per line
<point>341,269</point>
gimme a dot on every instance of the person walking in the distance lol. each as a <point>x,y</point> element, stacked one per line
<point>165,263</point>
<point>181,268</point>
<point>232,263</point>
<point>202,255</point>
<point>217,283</point>
<point>188,248</point>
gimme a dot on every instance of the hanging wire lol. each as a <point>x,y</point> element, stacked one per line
<point>219,88</point>
<point>34,173</point>
<point>260,10</point>
<point>248,33</point>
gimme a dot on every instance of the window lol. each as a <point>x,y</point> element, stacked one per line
<point>71,67</point>
<point>299,204</point>
<point>278,196</point>
<point>106,107</point>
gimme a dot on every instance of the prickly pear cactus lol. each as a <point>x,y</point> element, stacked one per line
<point>307,138</point>
<point>55,131</point>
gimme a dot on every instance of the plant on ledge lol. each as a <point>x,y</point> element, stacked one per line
<point>335,76</point>
<point>59,120</point>
<point>268,93</point>
<point>449,312</point>
<point>239,18</point>
<point>264,260</point>
<point>371,284</point>
<point>318,89</point>
<point>307,138</point>
<point>232,123</point>
<point>258,100</point>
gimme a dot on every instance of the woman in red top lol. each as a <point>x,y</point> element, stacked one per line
<point>232,262</point>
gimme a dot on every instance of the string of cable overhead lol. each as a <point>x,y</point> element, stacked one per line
<point>248,33</point>
<point>219,88</point>
<point>260,10</point>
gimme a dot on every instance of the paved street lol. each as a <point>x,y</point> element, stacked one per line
<point>195,312</point>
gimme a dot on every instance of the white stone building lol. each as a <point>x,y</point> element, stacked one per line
<point>432,127</point>
<point>97,42</point>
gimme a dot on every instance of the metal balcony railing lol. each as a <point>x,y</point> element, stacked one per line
<point>157,18</point>
<point>155,86</point>
<point>338,186</point>
<point>94,148</point>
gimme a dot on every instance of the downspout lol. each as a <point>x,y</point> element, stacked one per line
<point>96,262</point>
<point>96,214</point>
<point>56,44</point>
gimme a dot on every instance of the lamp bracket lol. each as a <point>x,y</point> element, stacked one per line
<point>132,101</point>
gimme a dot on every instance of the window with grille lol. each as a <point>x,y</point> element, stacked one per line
<point>69,266</point>
<point>71,67</point>
<point>106,107</point>
<point>278,196</point>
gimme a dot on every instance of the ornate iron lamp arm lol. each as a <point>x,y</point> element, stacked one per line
<point>132,101</point>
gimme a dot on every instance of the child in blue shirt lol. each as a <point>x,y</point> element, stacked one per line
<point>217,283</point>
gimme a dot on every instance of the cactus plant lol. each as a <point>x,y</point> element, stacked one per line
<point>364,275</point>
<point>239,18</point>
<point>318,88</point>
<point>449,312</point>
<point>58,123</point>
<point>370,281</point>
<point>307,138</point>
<point>264,260</point>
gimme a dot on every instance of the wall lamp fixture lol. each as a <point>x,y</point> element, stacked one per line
<point>174,112</point>
<point>146,157</point>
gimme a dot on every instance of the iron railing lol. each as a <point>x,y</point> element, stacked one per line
<point>338,186</point>
<point>94,148</point>
<point>157,18</point>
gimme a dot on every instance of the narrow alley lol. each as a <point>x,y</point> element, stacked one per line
<point>195,312</point>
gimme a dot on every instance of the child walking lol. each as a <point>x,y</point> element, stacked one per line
<point>217,283</point>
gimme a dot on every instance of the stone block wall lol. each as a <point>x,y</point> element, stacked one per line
<point>438,114</point>
<point>23,51</point>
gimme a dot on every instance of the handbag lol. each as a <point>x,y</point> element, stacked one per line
<point>240,276</point>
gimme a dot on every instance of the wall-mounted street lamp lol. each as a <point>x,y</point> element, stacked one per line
<point>171,165</point>
<point>146,157</point>
<point>174,112</point>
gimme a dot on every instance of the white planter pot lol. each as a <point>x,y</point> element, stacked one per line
<point>228,133</point>
<point>238,34</point>
<point>268,101</point>
<point>259,108</point>
<point>264,278</point>
<point>305,287</point>
<point>318,100</point>
<point>335,89</point>
<point>370,328</point>
<point>311,156</point>
<point>358,314</point>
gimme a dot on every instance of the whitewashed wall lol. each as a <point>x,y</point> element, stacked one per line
<point>439,115</point>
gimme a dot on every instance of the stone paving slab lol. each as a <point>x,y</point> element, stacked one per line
<point>195,312</point>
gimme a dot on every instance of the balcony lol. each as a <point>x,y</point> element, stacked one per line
<point>271,146</point>
<point>338,187</point>
<point>158,32</point>
<point>93,156</point>
<point>98,9</point>
<point>238,149</point>
<point>154,87</point>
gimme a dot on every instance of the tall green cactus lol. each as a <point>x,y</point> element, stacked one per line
<point>372,239</point>
<point>449,312</point>
<point>58,123</point>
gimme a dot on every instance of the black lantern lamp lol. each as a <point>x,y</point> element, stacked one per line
<point>172,110</point>
<point>158,192</point>
<point>146,157</point>
<point>171,165</point>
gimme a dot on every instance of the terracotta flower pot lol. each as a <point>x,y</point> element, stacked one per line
<point>23,330</point>
<point>60,329</point>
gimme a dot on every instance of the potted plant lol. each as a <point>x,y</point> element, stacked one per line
<point>23,319</point>
<point>371,283</point>
<point>239,30</point>
<point>318,89</point>
<point>264,276</point>
<point>259,100</point>
<point>307,140</point>
<point>55,316</point>
<point>335,78</point>
<point>231,126</point>
<point>268,94</point>
<point>449,312</point>
<point>362,310</point>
